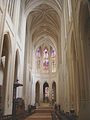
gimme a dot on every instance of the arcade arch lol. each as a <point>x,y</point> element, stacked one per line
<point>37,92</point>
<point>4,69</point>
<point>46,92</point>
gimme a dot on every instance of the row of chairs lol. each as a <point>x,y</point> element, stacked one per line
<point>58,114</point>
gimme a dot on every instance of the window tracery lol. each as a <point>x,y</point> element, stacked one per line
<point>46,59</point>
<point>53,60</point>
<point>38,59</point>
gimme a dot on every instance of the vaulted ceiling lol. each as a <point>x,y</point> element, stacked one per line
<point>58,3</point>
<point>44,20</point>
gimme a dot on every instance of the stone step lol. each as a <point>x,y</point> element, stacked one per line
<point>41,113</point>
<point>40,107</point>
<point>43,110</point>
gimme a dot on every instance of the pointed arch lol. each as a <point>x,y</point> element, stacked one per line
<point>37,91</point>
<point>46,92</point>
<point>5,65</point>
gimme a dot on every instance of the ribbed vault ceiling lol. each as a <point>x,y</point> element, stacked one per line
<point>44,20</point>
<point>57,3</point>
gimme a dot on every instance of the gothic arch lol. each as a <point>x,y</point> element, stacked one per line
<point>34,4</point>
<point>46,92</point>
<point>48,26</point>
<point>5,62</point>
<point>37,92</point>
<point>42,40</point>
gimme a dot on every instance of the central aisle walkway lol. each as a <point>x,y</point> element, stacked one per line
<point>41,113</point>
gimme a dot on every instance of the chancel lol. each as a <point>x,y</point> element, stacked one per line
<point>44,59</point>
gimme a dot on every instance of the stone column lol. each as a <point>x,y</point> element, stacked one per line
<point>41,92</point>
<point>33,93</point>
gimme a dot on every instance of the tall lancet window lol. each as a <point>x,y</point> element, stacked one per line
<point>53,60</point>
<point>46,60</point>
<point>38,58</point>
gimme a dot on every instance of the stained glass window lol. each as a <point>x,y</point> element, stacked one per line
<point>38,58</point>
<point>46,60</point>
<point>53,60</point>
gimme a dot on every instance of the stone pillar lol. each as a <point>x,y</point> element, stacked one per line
<point>50,91</point>
<point>33,93</point>
<point>84,100</point>
<point>41,92</point>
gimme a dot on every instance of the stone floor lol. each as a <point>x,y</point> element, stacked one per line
<point>43,112</point>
